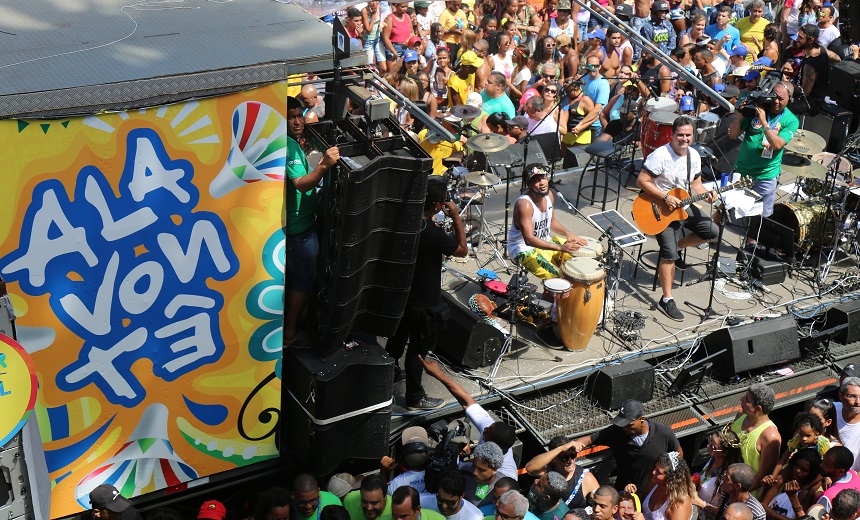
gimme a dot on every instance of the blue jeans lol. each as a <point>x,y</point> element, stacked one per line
<point>302,250</point>
<point>767,189</point>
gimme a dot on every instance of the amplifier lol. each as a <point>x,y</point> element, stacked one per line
<point>766,266</point>
<point>833,124</point>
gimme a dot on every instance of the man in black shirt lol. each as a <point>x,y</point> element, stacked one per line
<point>815,68</point>
<point>635,442</point>
<point>423,318</point>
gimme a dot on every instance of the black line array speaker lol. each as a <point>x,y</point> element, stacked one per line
<point>849,313</point>
<point>843,86</point>
<point>467,340</point>
<point>611,386</point>
<point>337,406</point>
<point>755,345</point>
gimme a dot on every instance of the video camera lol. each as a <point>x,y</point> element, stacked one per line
<point>762,96</point>
<point>446,453</point>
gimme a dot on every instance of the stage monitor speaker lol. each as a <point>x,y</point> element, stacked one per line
<point>468,340</point>
<point>336,406</point>
<point>843,86</point>
<point>833,124</point>
<point>612,385</point>
<point>755,345</point>
<point>849,313</point>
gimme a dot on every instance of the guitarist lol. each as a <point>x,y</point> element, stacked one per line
<point>676,165</point>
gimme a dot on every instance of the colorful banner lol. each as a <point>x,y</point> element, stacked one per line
<point>144,253</point>
<point>18,387</point>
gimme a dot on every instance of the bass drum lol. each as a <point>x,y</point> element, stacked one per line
<point>812,226</point>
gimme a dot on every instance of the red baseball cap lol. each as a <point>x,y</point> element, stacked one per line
<point>413,40</point>
<point>212,510</point>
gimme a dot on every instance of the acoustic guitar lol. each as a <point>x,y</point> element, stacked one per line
<point>653,215</point>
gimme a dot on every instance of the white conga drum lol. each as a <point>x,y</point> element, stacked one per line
<point>592,249</point>
<point>579,313</point>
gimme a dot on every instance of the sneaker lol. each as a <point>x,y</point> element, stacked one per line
<point>426,403</point>
<point>681,264</point>
<point>670,309</point>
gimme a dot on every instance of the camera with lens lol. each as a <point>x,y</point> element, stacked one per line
<point>445,454</point>
<point>762,96</point>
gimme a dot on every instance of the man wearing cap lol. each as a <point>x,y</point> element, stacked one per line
<point>423,318</point>
<point>370,501</point>
<point>748,83</point>
<point>765,137</point>
<point>517,127</point>
<point>530,239</point>
<point>414,455</point>
<point>738,64</point>
<point>814,67</point>
<point>730,93</point>
<point>440,149</point>
<point>563,23</point>
<point>462,82</point>
<point>212,510</point>
<point>596,88</point>
<point>453,21</point>
<point>108,504</point>
<point>751,28</point>
<point>658,29</point>
<point>635,441</point>
<point>722,30</point>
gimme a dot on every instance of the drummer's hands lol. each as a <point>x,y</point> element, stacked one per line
<point>450,209</point>
<point>569,247</point>
<point>573,239</point>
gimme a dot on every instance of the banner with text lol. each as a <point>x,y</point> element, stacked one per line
<point>144,255</point>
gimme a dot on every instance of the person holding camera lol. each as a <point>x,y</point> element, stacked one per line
<point>425,312</point>
<point>767,127</point>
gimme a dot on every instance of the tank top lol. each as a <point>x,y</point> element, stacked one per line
<point>555,30</point>
<point>574,116</point>
<point>660,513</point>
<point>749,440</point>
<point>504,65</point>
<point>575,500</point>
<point>400,29</point>
<point>373,35</point>
<point>540,220</point>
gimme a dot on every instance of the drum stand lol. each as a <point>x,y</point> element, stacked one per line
<point>487,238</point>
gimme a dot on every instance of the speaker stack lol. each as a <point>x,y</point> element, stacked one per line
<point>849,313</point>
<point>613,385</point>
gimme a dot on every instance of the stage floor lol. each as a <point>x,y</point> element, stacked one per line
<point>540,374</point>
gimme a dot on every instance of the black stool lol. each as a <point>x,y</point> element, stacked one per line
<point>602,152</point>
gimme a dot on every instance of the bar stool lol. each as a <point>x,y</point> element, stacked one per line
<point>602,153</point>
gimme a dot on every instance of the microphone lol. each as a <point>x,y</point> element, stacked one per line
<point>701,131</point>
<point>607,231</point>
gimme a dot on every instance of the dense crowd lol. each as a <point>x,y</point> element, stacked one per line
<point>754,471</point>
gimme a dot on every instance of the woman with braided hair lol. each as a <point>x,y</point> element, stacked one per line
<point>671,490</point>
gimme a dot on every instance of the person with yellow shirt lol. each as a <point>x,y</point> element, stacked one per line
<point>453,21</point>
<point>462,83</point>
<point>752,28</point>
<point>438,148</point>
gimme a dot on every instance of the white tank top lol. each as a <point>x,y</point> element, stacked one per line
<point>505,66</point>
<point>659,514</point>
<point>555,30</point>
<point>541,221</point>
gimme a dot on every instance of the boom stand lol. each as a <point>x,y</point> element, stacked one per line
<point>714,267</point>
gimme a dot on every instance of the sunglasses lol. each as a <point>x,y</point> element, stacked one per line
<point>551,91</point>
<point>450,503</point>
<point>564,457</point>
<point>549,45</point>
<point>548,76</point>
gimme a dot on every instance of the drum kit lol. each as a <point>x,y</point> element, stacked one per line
<point>823,210</point>
<point>656,126</point>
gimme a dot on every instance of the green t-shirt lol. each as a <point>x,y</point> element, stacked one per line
<point>301,207</point>
<point>352,504</point>
<point>501,104</point>
<point>326,499</point>
<point>750,161</point>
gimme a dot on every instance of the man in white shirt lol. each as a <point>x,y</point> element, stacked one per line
<point>826,26</point>
<point>538,122</point>
<point>449,500</point>
<point>848,417</point>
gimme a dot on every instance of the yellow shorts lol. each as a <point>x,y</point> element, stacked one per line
<point>543,263</point>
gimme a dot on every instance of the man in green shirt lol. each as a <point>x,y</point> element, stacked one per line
<point>300,200</point>
<point>308,499</point>
<point>371,501</point>
<point>406,505</point>
<point>765,137</point>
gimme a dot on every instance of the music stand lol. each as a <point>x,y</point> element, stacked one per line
<point>692,375</point>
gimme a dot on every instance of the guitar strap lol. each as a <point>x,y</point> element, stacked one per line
<point>689,173</point>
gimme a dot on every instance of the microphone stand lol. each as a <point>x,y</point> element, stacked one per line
<point>713,269</point>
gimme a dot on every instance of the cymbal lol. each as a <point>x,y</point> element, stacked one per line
<point>486,143</point>
<point>806,142</point>
<point>465,111</point>
<point>483,179</point>
<point>803,167</point>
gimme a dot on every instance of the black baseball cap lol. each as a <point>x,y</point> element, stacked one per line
<point>629,412</point>
<point>107,497</point>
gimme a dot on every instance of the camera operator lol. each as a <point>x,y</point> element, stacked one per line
<point>767,126</point>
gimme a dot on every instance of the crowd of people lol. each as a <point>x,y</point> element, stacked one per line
<point>754,471</point>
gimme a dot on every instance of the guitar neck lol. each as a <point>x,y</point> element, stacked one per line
<point>703,196</point>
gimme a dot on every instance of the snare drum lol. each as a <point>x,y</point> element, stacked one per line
<point>592,249</point>
<point>657,131</point>
<point>579,314</point>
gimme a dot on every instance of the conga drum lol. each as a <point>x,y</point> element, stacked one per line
<point>579,313</point>
<point>592,249</point>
